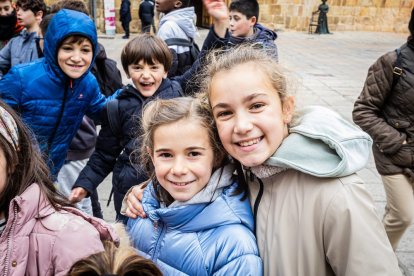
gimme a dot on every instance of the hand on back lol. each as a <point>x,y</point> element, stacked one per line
<point>134,199</point>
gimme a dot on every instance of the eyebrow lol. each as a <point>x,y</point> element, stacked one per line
<point>189,149</point>
<point>245,100</point>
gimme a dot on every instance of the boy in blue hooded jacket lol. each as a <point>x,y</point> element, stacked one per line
<point>53,94</point>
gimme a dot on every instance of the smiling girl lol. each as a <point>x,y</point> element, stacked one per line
<point>313,215</point>
<point>199,220</point>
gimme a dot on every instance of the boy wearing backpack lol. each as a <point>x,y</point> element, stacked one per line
<point>146,59</point>
<point>178,23</point>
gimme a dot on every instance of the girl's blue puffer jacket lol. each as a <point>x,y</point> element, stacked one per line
<point>51,103</point>
<point>206,238</point>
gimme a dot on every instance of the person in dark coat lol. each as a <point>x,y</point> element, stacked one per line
<point>146,15</point>
<point>385,110</point>
<point>125,16</point>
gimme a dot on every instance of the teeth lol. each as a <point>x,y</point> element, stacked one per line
<point>180,183</point>
<point>249,143</point>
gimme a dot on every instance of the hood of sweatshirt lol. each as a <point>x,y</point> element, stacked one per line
<point>184,18</point>
<point>323,144</point>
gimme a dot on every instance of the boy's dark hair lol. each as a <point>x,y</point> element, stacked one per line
<point>76,5</point>
<point>249,8</point>
<point>45,23</point>
<point>34,5</point>
<point>146,47</point>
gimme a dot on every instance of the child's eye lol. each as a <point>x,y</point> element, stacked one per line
<point>155,67</point>
<point>67,48</point>
<point>165,155</point>
<point>257,106</point>
<point>194,153</point>
<point>223,114</point>
<point>86,50</point>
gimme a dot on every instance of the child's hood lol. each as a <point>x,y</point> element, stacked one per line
<point>66,23</point>
<point>323,144</point>
<point>184,18</point>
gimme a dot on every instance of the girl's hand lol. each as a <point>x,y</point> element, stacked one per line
<point>77,194</point>
<point>134,199</point>
<point>217,9</point>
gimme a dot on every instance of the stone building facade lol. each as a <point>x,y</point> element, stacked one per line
<point>343,15</point>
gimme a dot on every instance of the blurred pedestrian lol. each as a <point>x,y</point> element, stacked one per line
<point>385,110</point>
<point>146,15</point>
<point>125,16</point>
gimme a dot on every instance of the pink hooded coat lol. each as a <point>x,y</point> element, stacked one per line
<point>38,240</point>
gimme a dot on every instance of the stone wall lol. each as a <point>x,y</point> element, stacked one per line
<point>344,15</point>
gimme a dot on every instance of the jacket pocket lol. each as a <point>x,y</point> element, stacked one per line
<point>403,157</point>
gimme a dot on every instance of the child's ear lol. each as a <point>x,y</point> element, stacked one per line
<point>165,75</point>
<point>253,20</point>
<point>39,16</point>
<point>288,107</point>
<point>178,4</point>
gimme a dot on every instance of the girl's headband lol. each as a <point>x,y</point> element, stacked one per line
<point>8,128</point>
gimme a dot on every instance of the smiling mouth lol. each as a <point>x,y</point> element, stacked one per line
<point>75,66</point>
<point>250,142</point>
<point>147,84</point>
<point>181,183</point>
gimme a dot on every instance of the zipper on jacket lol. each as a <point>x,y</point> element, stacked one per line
<point>159,239</point>
<point>9,240</point>
<point>62,109</point>
<point>257,203</point>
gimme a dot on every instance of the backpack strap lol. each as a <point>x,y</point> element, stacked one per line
<point>112,109</point>
<point>397,71</point>
<point>179,42</point>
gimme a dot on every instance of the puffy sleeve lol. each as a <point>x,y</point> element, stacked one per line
<point>354,238</point>
<point>78,239</point>
<point>368,107</point>
<point>11,89</point>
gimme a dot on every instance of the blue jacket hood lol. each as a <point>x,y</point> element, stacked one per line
<point>323,144</point>
<point>66,23</point>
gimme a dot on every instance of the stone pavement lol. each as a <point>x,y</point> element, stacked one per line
<point>327,70</point>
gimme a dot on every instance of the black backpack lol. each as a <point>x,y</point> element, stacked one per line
<point>184,64</point>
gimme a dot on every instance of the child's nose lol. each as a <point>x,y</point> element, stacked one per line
<point>243,123</point>
<point>179,167</point>
<point>146,73</point>
<point>76,56</point>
